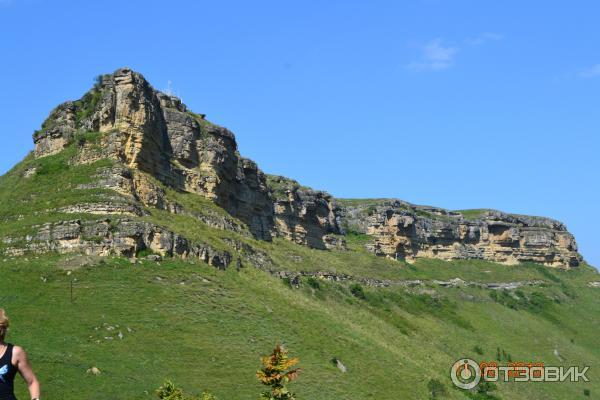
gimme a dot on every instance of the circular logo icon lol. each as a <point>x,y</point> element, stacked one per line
<point>465,373</point>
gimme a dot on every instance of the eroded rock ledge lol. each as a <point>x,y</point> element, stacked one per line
<point>296,278</point>
<point>403,231</point>
<point>121,237</point>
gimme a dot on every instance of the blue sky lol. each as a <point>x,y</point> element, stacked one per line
<point>459,104</point>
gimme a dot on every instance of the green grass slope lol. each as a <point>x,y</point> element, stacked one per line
<point>206,329</point>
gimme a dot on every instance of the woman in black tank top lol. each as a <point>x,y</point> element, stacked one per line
<point>7,374</point>
<point>12,360</point>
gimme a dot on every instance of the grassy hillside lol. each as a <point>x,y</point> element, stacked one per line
<point>206,329</point>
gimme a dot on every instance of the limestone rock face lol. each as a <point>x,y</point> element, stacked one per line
<point>305,216</point>
<point>403,231</point>
<point>158,145</point>
<point>57,132</point>
<point>123,237</point>
<point>154,133</point>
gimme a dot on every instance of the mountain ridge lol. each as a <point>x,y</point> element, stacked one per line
<point>154,133</point>
<point>167,278</point>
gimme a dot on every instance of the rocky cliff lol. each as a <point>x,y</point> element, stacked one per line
<point>154,133</point>
<point>157,145</point>
<point>302,215</point>
<point>404,231</point>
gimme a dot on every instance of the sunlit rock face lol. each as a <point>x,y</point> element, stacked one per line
<point>404,231</point>
<point>154,133</point>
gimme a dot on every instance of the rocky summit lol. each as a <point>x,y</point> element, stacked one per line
<point>152,134</point>
<point>159,149</point>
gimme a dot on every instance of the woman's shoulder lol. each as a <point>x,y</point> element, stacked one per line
<point>18,355</point>
<point>17,351</point>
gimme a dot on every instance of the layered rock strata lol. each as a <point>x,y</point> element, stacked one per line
<point>121,237</point>
<point>158,143</point>
<point>305,216</point>
<point>155,133</point>
<point>403,231</point>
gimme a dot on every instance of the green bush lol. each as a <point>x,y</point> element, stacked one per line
<point>87,104</point>
<point>142,253</point>
<point>168,391</point>
<point>313,283</point>
<point>357,291</point>
<point>485,387</point>
<point>436,388</point>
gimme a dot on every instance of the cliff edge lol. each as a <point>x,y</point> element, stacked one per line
<point>156,144</point>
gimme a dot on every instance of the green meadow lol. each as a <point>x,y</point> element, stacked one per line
<point>206,329</point>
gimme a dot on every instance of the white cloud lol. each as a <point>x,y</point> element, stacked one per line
<point>435,56</point>
<point>591,72</point>
<point>483,38</point>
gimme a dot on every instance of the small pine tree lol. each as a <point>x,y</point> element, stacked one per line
<point>168,391</point>
<point>276,373</point>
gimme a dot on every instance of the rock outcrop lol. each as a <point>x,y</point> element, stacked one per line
<point>407,232</point>
<point>158,145</point>
<point>121,237</point>
<point>154,133</point>
<point>305,216</point>
<point>57,131</point>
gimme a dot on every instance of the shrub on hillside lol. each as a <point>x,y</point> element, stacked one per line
<point>313,283</point>
<point>436,388</point>
<point>357,291</point>
<point>168,391</point>
<point>276,373</point>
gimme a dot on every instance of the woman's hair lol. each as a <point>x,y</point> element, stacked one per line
<point>3,323</point>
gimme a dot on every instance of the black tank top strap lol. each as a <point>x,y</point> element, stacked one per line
<point>7,374</point>
<point>7,354</point>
